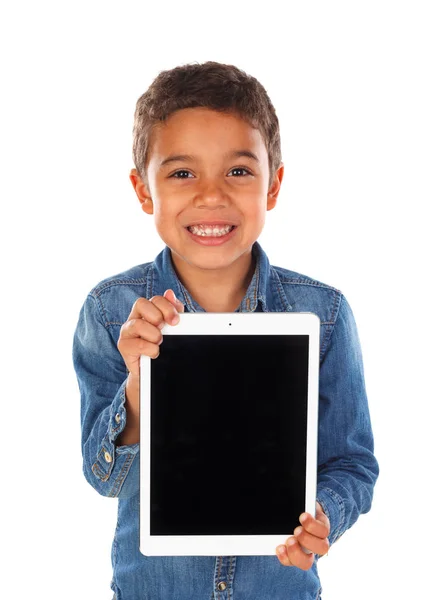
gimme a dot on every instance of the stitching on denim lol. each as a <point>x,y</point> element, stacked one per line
<point>311,283</point>
<point>103,310</point>
<point>104,476</point>
<point>115,429</point>
<point>181,288</point>
<point>99,473</point>
<point>329,330</point>
<point>100,308</point>
<point>150,283</point>
<point>262,300</point>
<point>335,308</point>
<point>219,568</point>
<point>96,292</point>
<point>256,285</point>
<point>232,562</point>
<point>187,300</point>
<point>101,453</point>
<point>115,548</point>
<point>333,318</point>
<point>280,290</point>
<point>121,476</point>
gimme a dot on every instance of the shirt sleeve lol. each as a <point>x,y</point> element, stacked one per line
<point>102,376</point>
<point>347,467</point>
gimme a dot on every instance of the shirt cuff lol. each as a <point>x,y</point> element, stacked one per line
<point>113,462</point>
<point>333,506</point>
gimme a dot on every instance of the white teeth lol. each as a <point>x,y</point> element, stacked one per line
<point>209,231</point>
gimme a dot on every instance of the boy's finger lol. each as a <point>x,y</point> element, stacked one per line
<point>320,526</point>
<point>312,543</point>
<point>168,311</point>
<point>145,309</point>
<point>295,556</point>
<point>314,527</point>
<point>170,295</point>
<point>283,557</point>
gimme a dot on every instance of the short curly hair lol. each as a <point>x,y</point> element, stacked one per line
<point>213,85</point>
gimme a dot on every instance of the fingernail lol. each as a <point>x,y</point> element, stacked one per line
<point>175,320</point>
<point>303,518</point>
<point>162,325</point>
<point>298,531</point>
<point>281,549</point>
<point>175,297</point>
<point>291,541</point>
<point>172,293</point>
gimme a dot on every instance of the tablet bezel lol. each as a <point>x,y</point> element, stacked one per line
<point>256,323</point>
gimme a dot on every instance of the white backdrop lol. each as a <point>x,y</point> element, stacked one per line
<point>353,84</point>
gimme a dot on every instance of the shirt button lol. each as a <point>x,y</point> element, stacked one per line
<point>222,586</point>
<point>107,457</point>
<point>117,417</point>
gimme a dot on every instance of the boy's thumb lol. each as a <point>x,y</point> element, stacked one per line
<point>173,298</point>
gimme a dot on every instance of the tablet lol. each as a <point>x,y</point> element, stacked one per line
<point>228,433</point>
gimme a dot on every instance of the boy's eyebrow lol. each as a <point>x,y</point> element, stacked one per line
<point>191,158</point>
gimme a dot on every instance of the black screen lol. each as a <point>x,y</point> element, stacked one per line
<point>228,434</point>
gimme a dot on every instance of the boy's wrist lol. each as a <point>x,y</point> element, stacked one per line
<point>333,506</point>
<point>132,396</point>
<point>130,433</point>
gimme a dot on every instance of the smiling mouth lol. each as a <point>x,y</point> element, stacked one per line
<point>211,231</point>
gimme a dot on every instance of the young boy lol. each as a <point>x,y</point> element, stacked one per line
<point>208,167</point>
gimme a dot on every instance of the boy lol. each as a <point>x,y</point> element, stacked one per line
<point>208,167</point>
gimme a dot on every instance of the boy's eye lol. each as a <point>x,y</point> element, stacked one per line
<point>240,169</point>
<point>182,171</point>
<point>177,172</point>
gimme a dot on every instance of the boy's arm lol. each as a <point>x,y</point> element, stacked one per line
<point>113,470</point>
<point>347,467</point>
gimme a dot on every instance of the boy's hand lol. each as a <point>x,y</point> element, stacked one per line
<point>312,535</point>
<point>141,333</point>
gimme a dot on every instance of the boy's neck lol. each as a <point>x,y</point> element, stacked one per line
<point>217,290</point>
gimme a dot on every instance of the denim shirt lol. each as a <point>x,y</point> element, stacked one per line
<point>347,468</point>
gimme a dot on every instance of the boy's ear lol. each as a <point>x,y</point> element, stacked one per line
<point>274,189</point>
<point>141,190</point>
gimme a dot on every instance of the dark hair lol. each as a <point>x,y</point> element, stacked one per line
<point>213,85</point>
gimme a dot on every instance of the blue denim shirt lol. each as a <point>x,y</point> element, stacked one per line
<point>347,468</point>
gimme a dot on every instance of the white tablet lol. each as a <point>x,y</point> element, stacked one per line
<point>229,428</point>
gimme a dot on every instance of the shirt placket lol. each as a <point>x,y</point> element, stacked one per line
<point>223,577</point>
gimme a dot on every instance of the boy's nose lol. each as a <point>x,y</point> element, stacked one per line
<point>212,194</point>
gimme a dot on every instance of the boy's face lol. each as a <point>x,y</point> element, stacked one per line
<point>207,182</point>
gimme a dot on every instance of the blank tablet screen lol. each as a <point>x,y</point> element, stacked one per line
<point>228,434</point>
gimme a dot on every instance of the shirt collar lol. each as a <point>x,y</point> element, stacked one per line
<point>256,296</point>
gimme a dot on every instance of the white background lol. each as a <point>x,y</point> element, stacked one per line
<point>353,84</point>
